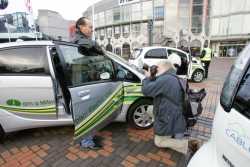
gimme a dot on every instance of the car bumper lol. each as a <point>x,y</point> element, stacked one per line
<point>205,157</point>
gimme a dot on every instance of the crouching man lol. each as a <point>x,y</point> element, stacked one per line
<point>169,125</point>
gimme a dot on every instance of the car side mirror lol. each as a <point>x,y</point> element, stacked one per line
<point>105,76</point>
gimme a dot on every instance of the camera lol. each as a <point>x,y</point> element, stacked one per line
<point>153,70</point>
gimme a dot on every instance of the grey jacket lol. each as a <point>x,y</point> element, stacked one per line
<point>168,101</point>
<point>86,45</point>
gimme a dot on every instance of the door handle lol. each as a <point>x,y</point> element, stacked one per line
<point>83,93</point>
<point>84,98</point>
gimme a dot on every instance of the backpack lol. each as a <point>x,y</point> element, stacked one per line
<point>192,106</point>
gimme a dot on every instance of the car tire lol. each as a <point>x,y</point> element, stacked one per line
<point>198,76</point>
<point>2,133</point>
<point>136,114</point>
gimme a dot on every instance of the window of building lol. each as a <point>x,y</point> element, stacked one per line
<point>147,10</point>
<point>117,31</point>
<point>126,30</point>
<point>116,15</point>
<point>159,12</point>
<point>25,60</point>
<point>156,54</point>
<point>197,14</point>
<point>136,28</point>
<point>109,32</point>
<point>101,19</point>
<point>84,69</point>
<point>126,13</point>
<point>136,11</point>
<point>109,17</point>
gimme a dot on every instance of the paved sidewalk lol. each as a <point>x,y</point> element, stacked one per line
<point>123,146</point>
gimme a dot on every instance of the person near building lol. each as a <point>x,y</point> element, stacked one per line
<point>206,57</point>
<point>169,124</point>
<point>87,46</point>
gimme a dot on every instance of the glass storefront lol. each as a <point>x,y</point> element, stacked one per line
<point>231,50</point>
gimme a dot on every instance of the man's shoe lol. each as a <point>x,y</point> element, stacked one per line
<point>97,139</point>
<point>94,147</point>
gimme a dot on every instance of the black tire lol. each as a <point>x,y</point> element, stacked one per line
<point>2,134</point>
<point>135,109</point>
<point>198,76</point>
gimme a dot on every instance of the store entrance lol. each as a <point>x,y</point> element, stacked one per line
<point>231,50</point>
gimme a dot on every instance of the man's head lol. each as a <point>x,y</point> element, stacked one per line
<point>163,66</point>
<point>84,25</point>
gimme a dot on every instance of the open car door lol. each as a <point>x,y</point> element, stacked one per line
<point>95,98</point>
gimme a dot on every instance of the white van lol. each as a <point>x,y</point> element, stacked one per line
<point>190,66</point>
<point>229,145</point>
<point>46,83</point>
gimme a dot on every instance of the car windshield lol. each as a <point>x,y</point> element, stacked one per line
<point>136,53</point>
<point>233,79</point>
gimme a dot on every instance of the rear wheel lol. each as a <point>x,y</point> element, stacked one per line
<point>140,114</point>
<point>198,76</point>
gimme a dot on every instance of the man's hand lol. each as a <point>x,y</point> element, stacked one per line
<point>147,73</point>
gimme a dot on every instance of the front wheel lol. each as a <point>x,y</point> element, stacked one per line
<point>198,76</point>
<point>140,114</point>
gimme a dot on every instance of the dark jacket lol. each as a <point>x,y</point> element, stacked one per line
<point>168,101</point>
<point>86,45</point>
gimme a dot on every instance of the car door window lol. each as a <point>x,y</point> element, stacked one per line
<point>125,75</point>
<point>183,68</point>
<point>24,61</point>
<point>156,54</point>
<point>84,69</point>
<point>242,99</point>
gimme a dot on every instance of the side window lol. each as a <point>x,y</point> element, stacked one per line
<point>183,56</point>
<point>24,61</point>
<point>242,99</point>
<point>82,69</point>
<point>125,75</point>
<point>156,54</point>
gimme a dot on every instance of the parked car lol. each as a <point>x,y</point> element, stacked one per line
<point>191,67</point>
<point>47,83</point>
<point>229,145</point>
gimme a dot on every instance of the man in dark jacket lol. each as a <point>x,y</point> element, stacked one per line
<point>169,125</point>
<point>84,31</point>
<point>88,47</point>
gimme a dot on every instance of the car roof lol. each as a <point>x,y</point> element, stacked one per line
<point>26,43</point>
<point>155,47</point>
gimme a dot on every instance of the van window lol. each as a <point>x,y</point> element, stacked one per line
<point>82,68</point>
<point>233,80</point>
<point>242,99</point>
<point>24,60</point>
<point>156,54</point>
<point>125,75</point>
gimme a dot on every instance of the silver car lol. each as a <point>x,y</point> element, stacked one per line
<point>46,83</point>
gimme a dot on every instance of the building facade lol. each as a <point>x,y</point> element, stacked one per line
<point>16,21</point>
<point>121,26</point>
<point>54,25</point>
<point>230,31</point>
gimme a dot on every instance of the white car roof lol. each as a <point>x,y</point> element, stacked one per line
<point>25,43</point>
<point>155,47</point>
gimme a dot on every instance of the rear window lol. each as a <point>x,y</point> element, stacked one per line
<point>233,79</point>
<point>156,54</point>
<point>24,60</point>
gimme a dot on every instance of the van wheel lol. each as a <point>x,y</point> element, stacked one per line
<point>198,76</point>
<point>2,134</point>
<point>140,114</point>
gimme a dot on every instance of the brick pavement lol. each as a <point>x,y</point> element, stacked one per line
<point>123,146</point>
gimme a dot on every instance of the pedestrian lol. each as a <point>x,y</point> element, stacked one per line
<point>88,47</point>
<point>169,124</point>
<point>206,57</point>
